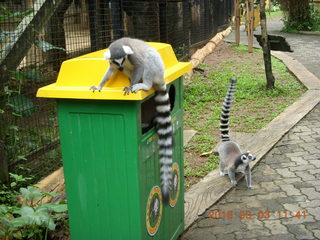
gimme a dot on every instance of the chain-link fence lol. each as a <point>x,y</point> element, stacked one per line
<point>37,35</point>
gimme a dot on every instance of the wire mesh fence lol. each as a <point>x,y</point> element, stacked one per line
<point>36,36</point>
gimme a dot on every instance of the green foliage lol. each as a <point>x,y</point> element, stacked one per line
<point>315,18</point>
<point>6,14</point>
<point>181,52</point>
<point>9,192</point>
<point>308,20</point>
<point>21,105</point>
<point>18,179</point>
<point>45,46</point>
<point>29,220</point>
<point>275,8</point>
<point>15,105</point>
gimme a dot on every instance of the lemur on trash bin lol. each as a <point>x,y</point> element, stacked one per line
<point>144,67</point>
<point>231,156</point>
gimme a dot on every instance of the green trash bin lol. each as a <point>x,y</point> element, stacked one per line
<point>110,152</point>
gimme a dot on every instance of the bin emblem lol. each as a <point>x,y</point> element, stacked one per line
<point>154,210</point>
<point>174,194</point>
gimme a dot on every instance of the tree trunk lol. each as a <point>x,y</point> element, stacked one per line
<point>298,13</point>
<point>266,46</point>
<point>4,173</point>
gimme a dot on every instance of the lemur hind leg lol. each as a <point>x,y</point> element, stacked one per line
<point>222,166</point>
<point>148,81</point>
<point>136,76</point>
<point>232,177</point>
<point>140,86</point>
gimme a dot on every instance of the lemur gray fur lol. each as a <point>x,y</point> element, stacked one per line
<point>145,68</point>
<point>231,156</point>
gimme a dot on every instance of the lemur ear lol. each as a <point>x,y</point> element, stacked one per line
<point>128,50</point>
<point>107,55</point>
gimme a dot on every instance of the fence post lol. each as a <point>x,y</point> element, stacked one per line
<point>163,21</point>
<point>56,36</point>
<point>186,22</point>
<point>142,19</point>
<point>249,25</point>
<point>4,173</point>
<point>97,22</point>
<point>116,18</point>
<point>237,20</point>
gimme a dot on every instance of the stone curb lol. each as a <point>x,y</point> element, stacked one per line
<point>212,187</point>
<point>310,33</point>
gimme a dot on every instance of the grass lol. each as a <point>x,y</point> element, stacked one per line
<point>274,14</point>
<point>254,106</point>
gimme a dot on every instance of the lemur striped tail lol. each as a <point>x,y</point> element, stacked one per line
<point>224,120</point>
<point>164,130</point>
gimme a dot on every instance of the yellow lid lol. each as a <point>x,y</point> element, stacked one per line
<point>77,75</point>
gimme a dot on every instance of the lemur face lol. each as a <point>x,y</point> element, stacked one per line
<point>118,57</point>
<point>247,157</point>
<point>119,62</point>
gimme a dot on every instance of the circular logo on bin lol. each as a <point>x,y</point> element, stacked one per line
<point>174,194</point>
<point>154,210</point>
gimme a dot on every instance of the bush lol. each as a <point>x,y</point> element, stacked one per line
<point>30,219</point>
<point>300,18</point>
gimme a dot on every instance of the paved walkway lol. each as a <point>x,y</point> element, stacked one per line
<point>285,203</point>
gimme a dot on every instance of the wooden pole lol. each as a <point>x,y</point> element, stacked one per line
<point>237,20</point>
<point>249,25</point>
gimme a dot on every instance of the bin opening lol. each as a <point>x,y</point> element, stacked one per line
<point>172,96</point>
<point>148,110</point>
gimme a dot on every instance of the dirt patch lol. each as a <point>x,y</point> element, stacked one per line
<point>221,53</point>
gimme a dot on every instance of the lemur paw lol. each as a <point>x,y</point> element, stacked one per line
<point>234,183</point>
<point>250,187</point>
<point>127,90</point>
<point>95,88</point>
<point>135,88</point>
<point>222,174</point>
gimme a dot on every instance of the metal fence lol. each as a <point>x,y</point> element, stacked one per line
<point>37,35</point>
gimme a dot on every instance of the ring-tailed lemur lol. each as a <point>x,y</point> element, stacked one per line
<point>231,156</point>
<point>145,68</point>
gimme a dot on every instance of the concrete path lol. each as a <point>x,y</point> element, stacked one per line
<point>285,203</point>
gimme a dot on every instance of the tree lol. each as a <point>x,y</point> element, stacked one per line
<point>266,46</point>
<point>298,14</point>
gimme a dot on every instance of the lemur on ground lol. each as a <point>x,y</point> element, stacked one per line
<point>231,156</point>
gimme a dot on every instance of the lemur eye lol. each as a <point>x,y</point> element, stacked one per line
<point>118,61</point>
<point>243,157</point>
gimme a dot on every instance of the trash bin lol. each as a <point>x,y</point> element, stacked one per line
<point>110,151</point>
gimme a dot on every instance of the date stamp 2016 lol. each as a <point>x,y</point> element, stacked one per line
<point>248,214</point>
